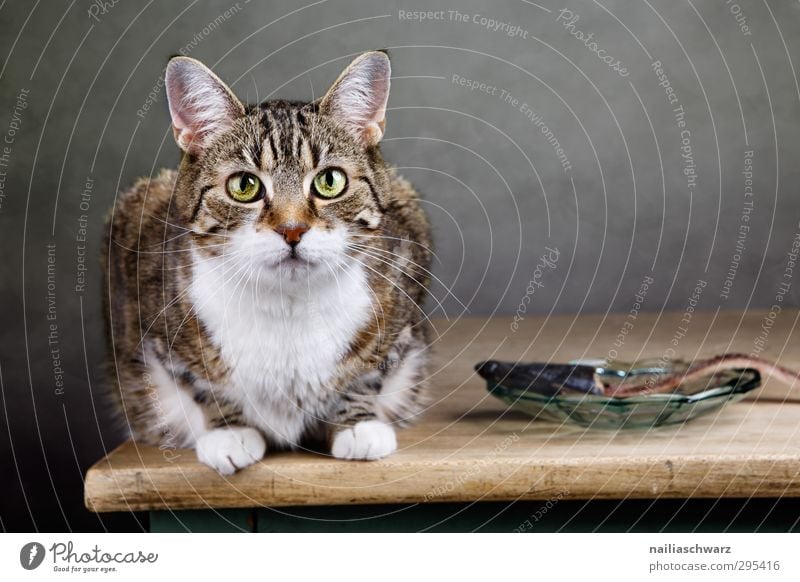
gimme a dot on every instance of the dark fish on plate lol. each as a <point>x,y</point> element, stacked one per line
<point>545,379</point>
<point>557,379</point>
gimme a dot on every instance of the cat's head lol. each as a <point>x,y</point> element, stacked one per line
<point>287,187</point>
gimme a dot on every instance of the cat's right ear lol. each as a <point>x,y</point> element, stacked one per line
<point>358,97</point>
<point>200,104</point>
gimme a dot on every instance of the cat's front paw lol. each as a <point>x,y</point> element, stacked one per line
<point>229,449</point>
<point>364,441</point>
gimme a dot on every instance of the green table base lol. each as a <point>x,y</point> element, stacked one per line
<point>733,515</point>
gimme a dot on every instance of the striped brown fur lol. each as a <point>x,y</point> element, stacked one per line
<point>164,228</point>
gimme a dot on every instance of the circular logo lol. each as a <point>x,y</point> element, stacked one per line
<point>31,555</point>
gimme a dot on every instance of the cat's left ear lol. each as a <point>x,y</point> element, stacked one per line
<point>200,104</point>
<point>358,97</point>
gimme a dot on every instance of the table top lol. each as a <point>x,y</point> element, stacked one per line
<point>469,447</point>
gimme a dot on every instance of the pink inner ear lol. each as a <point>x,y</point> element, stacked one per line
<point>360,96</point>
<point>182,132</point>
<point>199,103</point>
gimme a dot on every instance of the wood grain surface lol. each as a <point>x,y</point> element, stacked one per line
<point>469,447</point>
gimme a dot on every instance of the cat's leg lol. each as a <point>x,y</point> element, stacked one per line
<point>228,444</point>
<point>212,427</point>
<point>230,448</point>
<point>366,440</point>
<point>358,433</point>
<point>402,397</point>
<point>371,407</point>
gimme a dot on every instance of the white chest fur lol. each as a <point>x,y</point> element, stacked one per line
<point>282,347</point>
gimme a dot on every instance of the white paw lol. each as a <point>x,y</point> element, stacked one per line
<point>365,441</point>
<point>229,449</point>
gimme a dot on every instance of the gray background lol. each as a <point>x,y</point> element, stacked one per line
<point>493,184</point>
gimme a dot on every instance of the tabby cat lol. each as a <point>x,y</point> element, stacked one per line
<point>267,293</point>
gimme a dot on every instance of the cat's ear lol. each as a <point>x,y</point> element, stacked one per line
<point>200,104</point>
<point>358,97</point>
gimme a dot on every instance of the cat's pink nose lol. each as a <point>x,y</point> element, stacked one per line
<point>292,233</point>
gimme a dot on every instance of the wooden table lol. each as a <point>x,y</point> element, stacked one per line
<point>469,448</point>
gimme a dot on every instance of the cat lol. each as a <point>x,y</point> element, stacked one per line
<point>267,293</point>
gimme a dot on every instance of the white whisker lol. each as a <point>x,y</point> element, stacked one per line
<point>396,286</point>
<point>415,264</point>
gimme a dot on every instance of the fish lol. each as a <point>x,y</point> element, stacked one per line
<point>545,379</point>
<point>552,379</point>
<point>702,368</point>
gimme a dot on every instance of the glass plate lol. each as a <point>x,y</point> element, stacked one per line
<point>646,411</point>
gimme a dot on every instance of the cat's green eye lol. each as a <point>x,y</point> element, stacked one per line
<point>330,183</point>
<point>245,187</point>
